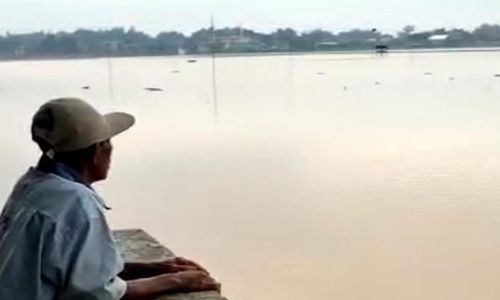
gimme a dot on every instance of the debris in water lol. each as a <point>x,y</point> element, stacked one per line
<point>345,88</point>
<point>452,78</point>
<point>86,87</point>
<point>175,71</point>
<point>153,89</point>
<point>497,75</point>
<point>377,83</point>
<point>192,61</point>
<point>428,73</point>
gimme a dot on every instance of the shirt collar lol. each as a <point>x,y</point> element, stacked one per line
<point>50,166</point>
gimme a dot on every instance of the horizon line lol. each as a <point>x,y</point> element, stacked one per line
<point>4,31</point>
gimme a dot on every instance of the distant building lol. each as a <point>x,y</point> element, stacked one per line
<point>239,43</point>
<point>203,48</point>
<point>381,49</point>
<point>21,51</point>
<point>438,39</point>
<point>325,46</point>
<point>385,39</point>
<point>113,47</point>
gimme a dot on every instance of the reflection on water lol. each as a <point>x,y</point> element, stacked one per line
<point>324,177</point>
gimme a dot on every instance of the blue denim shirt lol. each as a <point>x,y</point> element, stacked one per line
<point>55,242</point>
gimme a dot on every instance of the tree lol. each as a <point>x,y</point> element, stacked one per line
<point>68,45</point>
<point>313,38</point>
<point>358,36</point>
<point>285,39</point>
<point>122,42</point>
<point>49,45</point>
<point>408,29</point>
<point>406,32</point>
<point>487,32</point>
<point>169,42</point>
<point>459,37</point>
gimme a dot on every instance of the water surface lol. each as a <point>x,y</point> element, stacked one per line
<point>322,177</point>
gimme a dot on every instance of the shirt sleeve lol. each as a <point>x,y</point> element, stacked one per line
<point>93,264</point>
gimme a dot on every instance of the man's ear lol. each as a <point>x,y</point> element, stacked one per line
<point>96,153</point>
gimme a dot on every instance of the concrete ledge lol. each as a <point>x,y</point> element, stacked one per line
<point>138,246</point>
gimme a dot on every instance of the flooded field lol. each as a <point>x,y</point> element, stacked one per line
<point>320,176</point>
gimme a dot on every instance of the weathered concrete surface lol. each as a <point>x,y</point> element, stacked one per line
<point>138,246</point>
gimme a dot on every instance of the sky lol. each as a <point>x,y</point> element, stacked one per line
<point>154,16</point>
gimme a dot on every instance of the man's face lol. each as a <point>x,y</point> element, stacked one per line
<point>102,160</point>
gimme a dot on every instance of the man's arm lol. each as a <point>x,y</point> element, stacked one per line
<point>187,281</point>
<point>95,266</point>
<point>133,270</point>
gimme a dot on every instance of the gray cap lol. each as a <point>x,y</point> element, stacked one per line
<point>70,124</point>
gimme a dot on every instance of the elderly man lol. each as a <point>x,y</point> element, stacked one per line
<point>55,242</point>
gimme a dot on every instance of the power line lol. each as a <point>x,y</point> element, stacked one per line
<point>214,70</point>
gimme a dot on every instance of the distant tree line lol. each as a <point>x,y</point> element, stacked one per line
<point>131,42</point>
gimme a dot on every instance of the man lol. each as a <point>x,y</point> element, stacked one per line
<point>55,243</point>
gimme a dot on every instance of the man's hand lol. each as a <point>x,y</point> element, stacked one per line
<point>181,282</point>
<point>195,281</point>
<point>178,264</point>
<point>186,264</point>
<point>143,270</point>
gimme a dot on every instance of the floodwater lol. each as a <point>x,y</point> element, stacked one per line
<point>321,177</point>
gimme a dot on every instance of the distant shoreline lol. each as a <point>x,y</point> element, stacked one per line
<point>259,54</point>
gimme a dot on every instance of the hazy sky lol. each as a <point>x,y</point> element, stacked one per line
<point>265,15</point>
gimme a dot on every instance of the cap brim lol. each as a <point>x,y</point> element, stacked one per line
<point>119,122</point>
